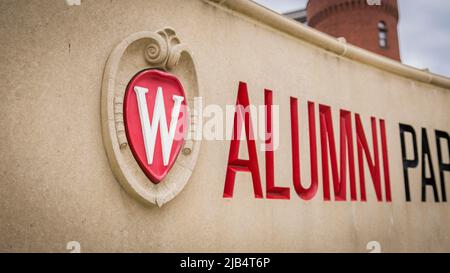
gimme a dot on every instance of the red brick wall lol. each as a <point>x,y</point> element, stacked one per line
<point>357,22</point>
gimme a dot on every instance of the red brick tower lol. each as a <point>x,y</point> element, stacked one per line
<point>363,23</point>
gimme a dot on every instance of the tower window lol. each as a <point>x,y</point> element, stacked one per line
<point>382,34</point>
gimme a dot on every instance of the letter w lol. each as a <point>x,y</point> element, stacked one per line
<point>149,131</point>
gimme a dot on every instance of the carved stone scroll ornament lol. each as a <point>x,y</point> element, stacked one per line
<point>164,50</point>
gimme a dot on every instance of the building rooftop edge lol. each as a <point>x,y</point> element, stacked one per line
<point>293,11</point>
<point>327,42</point>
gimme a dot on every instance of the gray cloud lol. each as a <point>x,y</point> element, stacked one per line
<point>282,6</point>
<point>424,31</point>
<point>425,34</point>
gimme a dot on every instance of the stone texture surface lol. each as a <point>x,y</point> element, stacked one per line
<point>56,184</point>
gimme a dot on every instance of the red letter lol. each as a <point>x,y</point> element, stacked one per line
<point>272,191</point>
<point>346,141</point>
<point>305,194</point>
<point>234,163</point>
<point>374,168</point>
<point>387,180</point>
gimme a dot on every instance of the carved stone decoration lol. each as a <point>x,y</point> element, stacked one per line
<point>160,50</point>
<point>164,50</point>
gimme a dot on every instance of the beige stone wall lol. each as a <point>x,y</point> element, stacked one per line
<point>56,184</point>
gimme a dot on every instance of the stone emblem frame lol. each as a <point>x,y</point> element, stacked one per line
<point>147,50</point>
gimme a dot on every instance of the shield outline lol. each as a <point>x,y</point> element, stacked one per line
<point>148,170</point>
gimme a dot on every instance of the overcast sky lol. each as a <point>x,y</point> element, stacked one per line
<point>424,31</point>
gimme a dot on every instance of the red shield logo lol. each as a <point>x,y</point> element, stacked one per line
<point>156,120</point>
